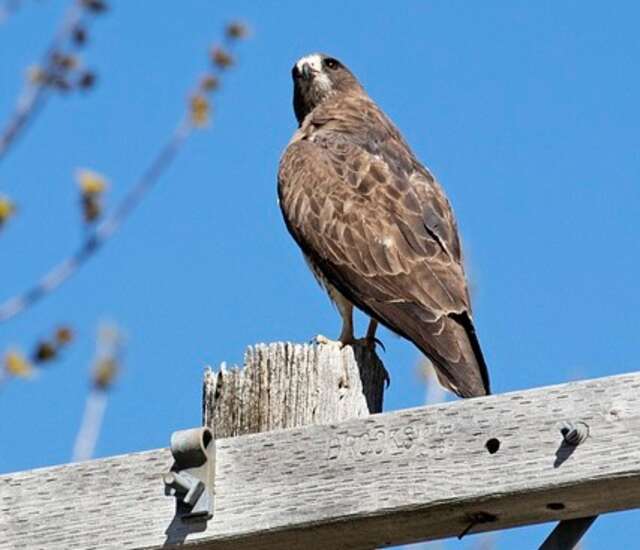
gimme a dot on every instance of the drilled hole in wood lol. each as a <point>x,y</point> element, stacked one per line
<point>555,506</point>
<point>492,445</point>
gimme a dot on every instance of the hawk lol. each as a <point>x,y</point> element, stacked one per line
<point>374,225</point>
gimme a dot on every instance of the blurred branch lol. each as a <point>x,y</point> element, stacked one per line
<point>90,426</point>
<point>198,116</point>
<point>109,351</point>
<point>15,364</point>
<point>94,241</point>
<point>53,71</point>
<point>7,210</point>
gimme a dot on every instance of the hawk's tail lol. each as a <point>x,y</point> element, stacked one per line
<point>457,357</point>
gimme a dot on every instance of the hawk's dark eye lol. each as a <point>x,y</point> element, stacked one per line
<point>331,63</point>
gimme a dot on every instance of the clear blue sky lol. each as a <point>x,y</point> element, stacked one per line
<point>526,111</point>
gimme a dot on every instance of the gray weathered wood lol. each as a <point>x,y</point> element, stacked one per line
<point>392,478</point>
<point>285,385</point>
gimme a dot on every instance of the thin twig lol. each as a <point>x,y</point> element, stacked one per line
<point>94,241</point>
<point>35,95</point>
<point>61,272</point>
<point>109,352</point>
<point>91,425</point>
<point>30,102</point>
<point>14,363</point>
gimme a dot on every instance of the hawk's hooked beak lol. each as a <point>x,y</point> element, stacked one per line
<point>306,71</point>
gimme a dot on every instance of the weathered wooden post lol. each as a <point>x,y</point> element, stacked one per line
<point>286,385</point>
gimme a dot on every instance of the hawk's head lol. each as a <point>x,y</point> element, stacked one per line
<point>317,77</point>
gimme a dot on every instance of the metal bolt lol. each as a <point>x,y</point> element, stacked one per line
<point>177,482</point>
<point>574,433</point>
<point>187,488</point>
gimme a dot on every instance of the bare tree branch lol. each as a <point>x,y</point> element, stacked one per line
<point>109,351</point>
<point>90,426</point>
<point>14,363</point>
<point>198,116</point>
<point>57,275</point>
<point>38,89</point>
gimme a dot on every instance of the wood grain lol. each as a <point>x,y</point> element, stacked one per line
<point>386,479</point>
<point>286,385</point>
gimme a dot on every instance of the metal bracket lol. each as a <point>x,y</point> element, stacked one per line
<point>567,534</point>
<point>191,477</point>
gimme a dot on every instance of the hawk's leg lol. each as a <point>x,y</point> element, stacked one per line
<point>370,339</point>
<point>347,337</point>
<point>346,334</point>
<point>345,307</point>
<point>371,330</point>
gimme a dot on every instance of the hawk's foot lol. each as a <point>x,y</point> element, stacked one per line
<point>367,343</point>
<point>322,340</point>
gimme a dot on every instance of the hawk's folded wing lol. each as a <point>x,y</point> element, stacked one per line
<point>380,229</point>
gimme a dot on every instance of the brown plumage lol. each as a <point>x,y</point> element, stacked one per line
<point>374,224</point>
